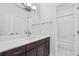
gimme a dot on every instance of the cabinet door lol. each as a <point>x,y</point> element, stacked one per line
<point>32,52</point>
<point>16,51</point>
<point>40,50</point>
<point>2,54</point>
<point>19,25</point>
<point>46,49</point>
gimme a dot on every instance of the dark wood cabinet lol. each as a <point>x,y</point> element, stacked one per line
<point>16,51</point>
<point>38,48</point>
<point>2,54</point>
<point>32,52</point>
<point>46,49</point>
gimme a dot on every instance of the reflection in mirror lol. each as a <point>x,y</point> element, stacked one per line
<point>12,17</point>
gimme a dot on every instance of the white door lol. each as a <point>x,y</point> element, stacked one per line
<point>66,37</point>
<point>77,15</point>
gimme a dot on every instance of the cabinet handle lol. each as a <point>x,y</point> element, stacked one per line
<point>17,52</point>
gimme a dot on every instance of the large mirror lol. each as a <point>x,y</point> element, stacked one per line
<point>15,20</point>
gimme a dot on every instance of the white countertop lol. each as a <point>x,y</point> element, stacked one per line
<point>10,42</point>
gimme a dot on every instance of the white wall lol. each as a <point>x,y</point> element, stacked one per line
<point>35,20</point>
<point>48,14</point>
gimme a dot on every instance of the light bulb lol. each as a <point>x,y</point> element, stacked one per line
<point>28,4</point>
<point>34,7</point>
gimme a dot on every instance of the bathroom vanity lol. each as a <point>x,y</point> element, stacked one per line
<point>39,46</point>
<point>24,23</point>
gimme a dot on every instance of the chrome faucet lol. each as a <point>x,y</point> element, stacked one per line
<point>29,33</point>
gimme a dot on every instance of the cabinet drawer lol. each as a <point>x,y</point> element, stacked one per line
<point>34,44</point>
<point>40,50</point>
<point>32,52</point>
<point>16,52</point>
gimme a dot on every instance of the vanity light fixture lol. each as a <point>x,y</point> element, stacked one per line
<point>27,6</point>
<point>31,9</point>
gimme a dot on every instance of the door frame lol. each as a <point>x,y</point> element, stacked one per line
<point>76,29</point>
